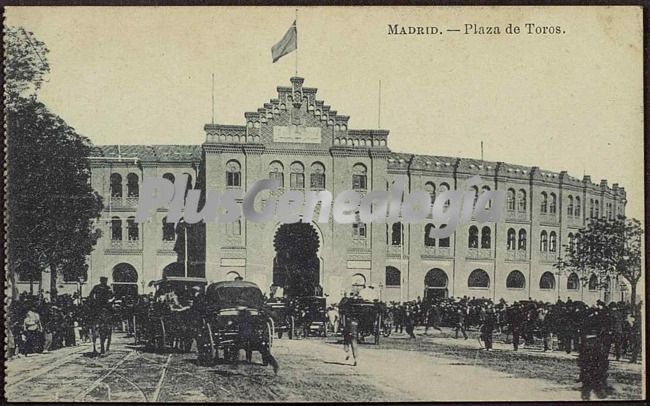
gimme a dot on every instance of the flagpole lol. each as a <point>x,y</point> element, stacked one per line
<point>296,42</point>
<point>212,98</point>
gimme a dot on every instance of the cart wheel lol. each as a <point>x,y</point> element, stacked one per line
<point>292,327</point>
<point>378,329</point>
<point>213,348</point>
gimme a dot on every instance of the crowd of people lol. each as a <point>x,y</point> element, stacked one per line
<point>37,325</point>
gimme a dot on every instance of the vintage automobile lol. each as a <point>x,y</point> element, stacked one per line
<point>311,315</point>
<point>234,317</point>
<point>282,315</point>
<point>169,321</point>
<point>368,314</point>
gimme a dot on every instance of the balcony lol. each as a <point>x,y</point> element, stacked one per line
<point>516,255</point>
<point>512,215</point>
<point>548,256</point>
<point>167,245</point>
<point>130,202</point>
<point>395,250</point>
<point>437,252</point>
<point>479,253</point>
<point>125,245</point>
<point>549,218</point>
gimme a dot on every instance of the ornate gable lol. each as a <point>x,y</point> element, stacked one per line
<point>295,120</point>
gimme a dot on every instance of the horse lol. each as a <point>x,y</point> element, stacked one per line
<point>99,322</point>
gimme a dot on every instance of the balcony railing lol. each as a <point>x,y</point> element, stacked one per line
<point>512,215</point>
<point>395,250</point>
<point>126,244</point>
<point>168,245</point>
<point>548,256</point>
<point>479,253</point>
<point>437,252</point>
<point>516,255</point>
<point>551,218</point>
<point>123,202</point>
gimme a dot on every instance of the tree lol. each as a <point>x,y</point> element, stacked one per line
<point>52,210</point>
<point>607,247</point>
<point>25,64</point>
<point>297,267</point>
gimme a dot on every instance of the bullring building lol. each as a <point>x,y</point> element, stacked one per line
<point>307,145</point>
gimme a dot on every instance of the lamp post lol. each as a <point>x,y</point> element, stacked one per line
<point>81,282</point>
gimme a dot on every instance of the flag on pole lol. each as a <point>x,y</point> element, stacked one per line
<point>287,44</point>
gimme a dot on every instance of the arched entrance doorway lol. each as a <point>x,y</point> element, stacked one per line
<point>125,280</point>
<point>175,269</point>
<point>435,284</point>
<point>296,266</point>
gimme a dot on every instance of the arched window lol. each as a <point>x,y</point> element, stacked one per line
<point>475,192</point>
<point>444,187</point>
<point>297,177</point>
<point>132,187</point>
<point>569,207</point>
<point>472,241</point>
<point>169,176</point>
<point>522,239</point>
<point>443,242</point>
<point>428,240</point>
<point>547,281</point>
<point>543,242</point>
<point>486,237</point>
<point>573,282</point>
<point>522,204</point>
<point>233,174</point>
<point>515,280</point>
<point>597,209</point>
<point>488,205</point>
<point>132,229</point>
<point>544,203</point>
<point>553,206</point>
<point>478,279</point>
<point>359,177</point>
<point>116,229</point>
<point>436,278</point>
<point>430,188</point>
<point>552,241</point>
<point>511,240</point>
<point>276,172</point>
<point>116,185</point>
<point>570,241</point>
<point>393,276</point>
<point>510,200</point>
<point>317,176</point>
<point>396,234</point>
<point>591,208</point>
<point>168,232</point>
<point>593,282</point>
<point>578,209</point>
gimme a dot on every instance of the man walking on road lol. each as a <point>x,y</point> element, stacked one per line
<point>350,333</point>
<point>460,322</point>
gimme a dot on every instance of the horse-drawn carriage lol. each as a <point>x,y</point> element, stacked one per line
<point>169,321</point>
<point>311,315</point>
<point>368,314</point>
<point>234,317</point>
<point>281,311</point>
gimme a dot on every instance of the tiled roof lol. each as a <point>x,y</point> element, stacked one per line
<point>155,153</point>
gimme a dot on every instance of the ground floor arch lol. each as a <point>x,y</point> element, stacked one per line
<point>125,280</point>
<point>297,265</point>
<point>436,283</point>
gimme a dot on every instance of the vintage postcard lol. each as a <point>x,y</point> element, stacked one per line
<point>327,204</point>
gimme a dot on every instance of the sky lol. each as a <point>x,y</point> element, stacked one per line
<point>571,101</point>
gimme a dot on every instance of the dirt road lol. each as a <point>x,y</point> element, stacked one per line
<point>311,370</point>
